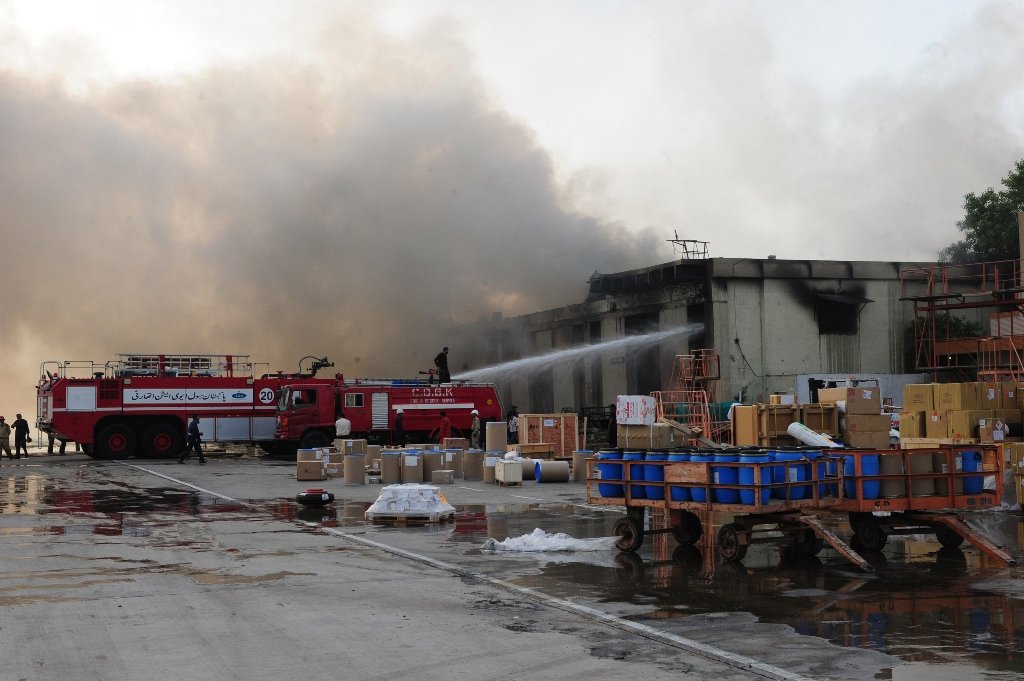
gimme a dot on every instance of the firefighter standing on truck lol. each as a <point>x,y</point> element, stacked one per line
<point>193,441</point>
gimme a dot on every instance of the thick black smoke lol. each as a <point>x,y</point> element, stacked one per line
<point>364,209</point>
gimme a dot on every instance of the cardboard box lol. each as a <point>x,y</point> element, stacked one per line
<point>1011,417</point>
<point>461,442</point>
<point>964,424</point>
<point>309,455</point>
<point>936,424</point>
<point>353,447</point>
<point>309,470</point>
<point>918,397</point>
<point>782,398</point>
<point>912,424</point>
<point>1015,453</point>
<point>865,399</point>
<point>831,395</point>
<point>821,418</point>
<point>867,440</point>
<point>867,423</point>
<point>990,395</point>
<point>1009,393</point>
<point>334,470</point>
<point>744,425</point>
<point>953,396</point>
<point>658,436</point>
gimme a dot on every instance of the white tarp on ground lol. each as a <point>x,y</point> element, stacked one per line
<point>410,500</point>
<point>541,541</point>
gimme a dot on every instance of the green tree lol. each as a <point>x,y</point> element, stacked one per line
<point>990,223</point>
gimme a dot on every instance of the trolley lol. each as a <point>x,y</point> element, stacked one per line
<point>769,506</point>
<point>917,491</point>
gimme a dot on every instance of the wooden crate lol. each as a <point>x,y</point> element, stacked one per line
<point>559,430</point>
<point>538,450</point>
<point>933,442</point>
<point>774,419</point>
<point>821,418</point>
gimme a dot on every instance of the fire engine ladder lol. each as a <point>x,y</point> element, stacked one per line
<point>159,365</point>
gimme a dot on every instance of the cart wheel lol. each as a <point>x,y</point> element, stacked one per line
<point>948,537</point>
<point>630,534</point>
<point>870,534</point>
<point>689,529</point>
<point>729,542</point>
<point>855,518</point>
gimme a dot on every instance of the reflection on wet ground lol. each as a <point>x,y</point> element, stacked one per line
<point>924,604</point>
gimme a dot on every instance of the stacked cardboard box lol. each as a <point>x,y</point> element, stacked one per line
<point>311,464</point>
<point>956,411</point>
<point>863,425</point>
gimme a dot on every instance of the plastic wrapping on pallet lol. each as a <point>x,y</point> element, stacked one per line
<point>424,502</point>
<point>539,540</point>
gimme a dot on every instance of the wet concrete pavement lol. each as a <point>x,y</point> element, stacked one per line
<point>155,569</point>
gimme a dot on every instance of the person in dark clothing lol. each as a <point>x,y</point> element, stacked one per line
<point>441,362</point>
<point>193,442</point>
<point>399,428</point>
<point>63,444</point>
<point>21,431</point>
<point>613,427</point>
<point>512,425</point>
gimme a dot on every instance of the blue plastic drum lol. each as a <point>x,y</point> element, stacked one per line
<point>869,465</point>
<point>971,463</point>
<point>678,492</point>
<point>699,493</point>
<point>636,472</point>
<point>817,472</point>
<point>655,473</point>
<point>789,473</point>
<point>748,476</point>
<point>726,475</point>
<point>610,471</point>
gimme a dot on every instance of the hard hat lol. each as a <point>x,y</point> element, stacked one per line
<point>475,412</point>
<point>399,411</point>
<point>1,418</point>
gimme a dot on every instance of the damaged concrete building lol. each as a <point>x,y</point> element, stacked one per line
<point>771,321</point>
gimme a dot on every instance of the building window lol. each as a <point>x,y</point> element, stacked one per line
<point>835,318</point>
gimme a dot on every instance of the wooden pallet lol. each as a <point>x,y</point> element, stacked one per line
<point>516,483</point>
<point>426,519</point>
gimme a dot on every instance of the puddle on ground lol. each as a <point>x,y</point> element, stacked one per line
<point>925,604</point>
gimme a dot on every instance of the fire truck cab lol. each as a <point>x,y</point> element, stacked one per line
<point>307,411</point>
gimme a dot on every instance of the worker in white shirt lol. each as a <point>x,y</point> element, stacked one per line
<point>343,427</point>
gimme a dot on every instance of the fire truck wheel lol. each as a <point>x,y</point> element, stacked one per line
<point>162,441</point>
<point>314,439</point>
<point>116,441</point>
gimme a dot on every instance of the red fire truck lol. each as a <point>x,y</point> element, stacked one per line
<point>307,410</point>
<point>141,403</point>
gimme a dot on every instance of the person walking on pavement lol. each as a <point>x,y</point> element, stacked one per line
<point>441,362</point>
<point>21,438</point>
<point>512,421</point>
<point>399,428</point>
<point>193,442</point>
<point>474,430</point>
<point>5,439</point>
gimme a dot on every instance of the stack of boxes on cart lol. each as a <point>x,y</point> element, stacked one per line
<point>960,413</point>
<point>852,415</point>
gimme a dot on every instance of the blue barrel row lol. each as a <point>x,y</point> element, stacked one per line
<point>722,476</point>
<point>968,461</point>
